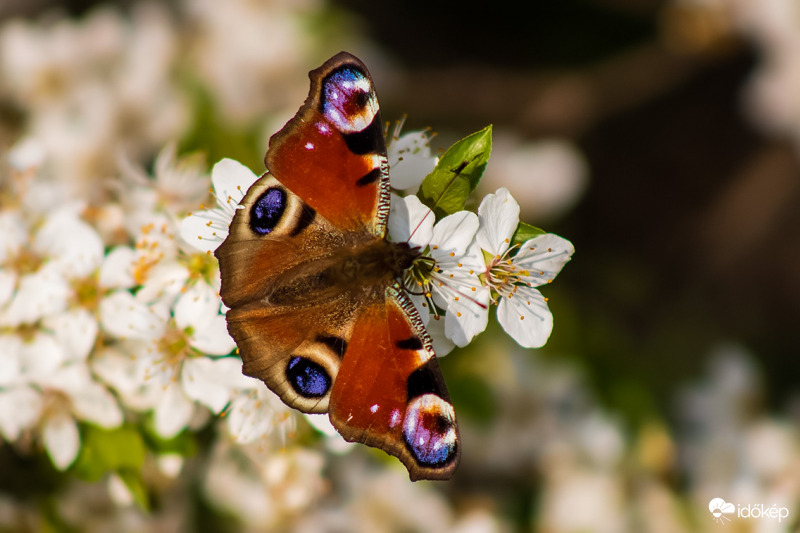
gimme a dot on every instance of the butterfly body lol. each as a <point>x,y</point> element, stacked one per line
<point>312,283</point>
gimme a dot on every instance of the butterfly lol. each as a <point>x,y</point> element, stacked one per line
<point>317,308</point>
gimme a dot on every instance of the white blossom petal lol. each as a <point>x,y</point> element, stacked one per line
<point>467,316</point>
<point>526,317</point>
<point>196,306</point>
<point>208,381</point>
<point>61,440</point>
<point>231,181</point>
<point>74,244</point>
<point>164,283</point>
<point>499,218</point>
<point>256,412</point>
<point>410,221</point>
<point>410,159</point>
<point>543,256</point>
<point>116,272</point>
<point>197,310</point>
<point>126,317</point>
<point>14,232</point>
<point>118,492</point>
<point>213,338</point>
<point>173,412</point>
<point>75,330</point>
<point>8,281</point>
<point>205,230</point>
<point>95,404</point>
<point>27,153</point>
<point>38,294</point>
<point>41,356</point>
<point>126,374</point>
<point>10,352</point>
<point>19,410</point>
<point>452,236</point>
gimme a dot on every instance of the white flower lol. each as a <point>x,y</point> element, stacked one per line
<point>410,158</point>
<point>63,249</point>
<point>264,486</point>
<point>166,342</point>
<point>446,276</point>
<point>20,407</point>
<point>255,412</point>
<point>176,186</point>
<point>47,384</point>
<point>205,230</point>
<point>512,277</point>
<point>70,393</point>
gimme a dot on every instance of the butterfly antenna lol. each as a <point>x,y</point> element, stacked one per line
<point>419,225</point>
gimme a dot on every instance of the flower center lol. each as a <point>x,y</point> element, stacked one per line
<point>175,344</point>
<point>203,266</point>
<point>87,293</point>
<point>503,277</point>
<point>420,277</point>
<point>54,403</point>
<point>26,262</point>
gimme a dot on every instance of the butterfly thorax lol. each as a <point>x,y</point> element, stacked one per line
<point>364,266</point>
<point>377,261</point>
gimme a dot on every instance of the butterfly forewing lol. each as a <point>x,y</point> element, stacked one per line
<point>332,153</point>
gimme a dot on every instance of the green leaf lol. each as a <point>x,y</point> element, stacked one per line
<point>525,232</point>
<point>446,188</point>
<point>133,480</point>
<point>105,450</point>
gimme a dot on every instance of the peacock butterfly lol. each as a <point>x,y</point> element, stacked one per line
<point>312,283</point>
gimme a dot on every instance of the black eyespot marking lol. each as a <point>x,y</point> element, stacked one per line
<point>370,177</point>
<point>411,343</point>
<point>267,211</point>
<point>367,141</point>
<point>337,344</point>
<point>425,381</point>
<point>361,98</point>
<point>307,216</point>
<point>308,379</point>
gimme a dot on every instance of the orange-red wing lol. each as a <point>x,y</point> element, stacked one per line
<point>332,154</point>
<point>389,392</point>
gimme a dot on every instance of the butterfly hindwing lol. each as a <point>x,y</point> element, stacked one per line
<point>389,391</point>
<point>270,265</point>
<point>334,148</point>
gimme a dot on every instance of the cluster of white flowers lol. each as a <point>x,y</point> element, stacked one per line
<point>468,262</point>
<point>143,320</point>
<point>106,317</point>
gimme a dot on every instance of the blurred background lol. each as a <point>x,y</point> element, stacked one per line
<point>662,137</point>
